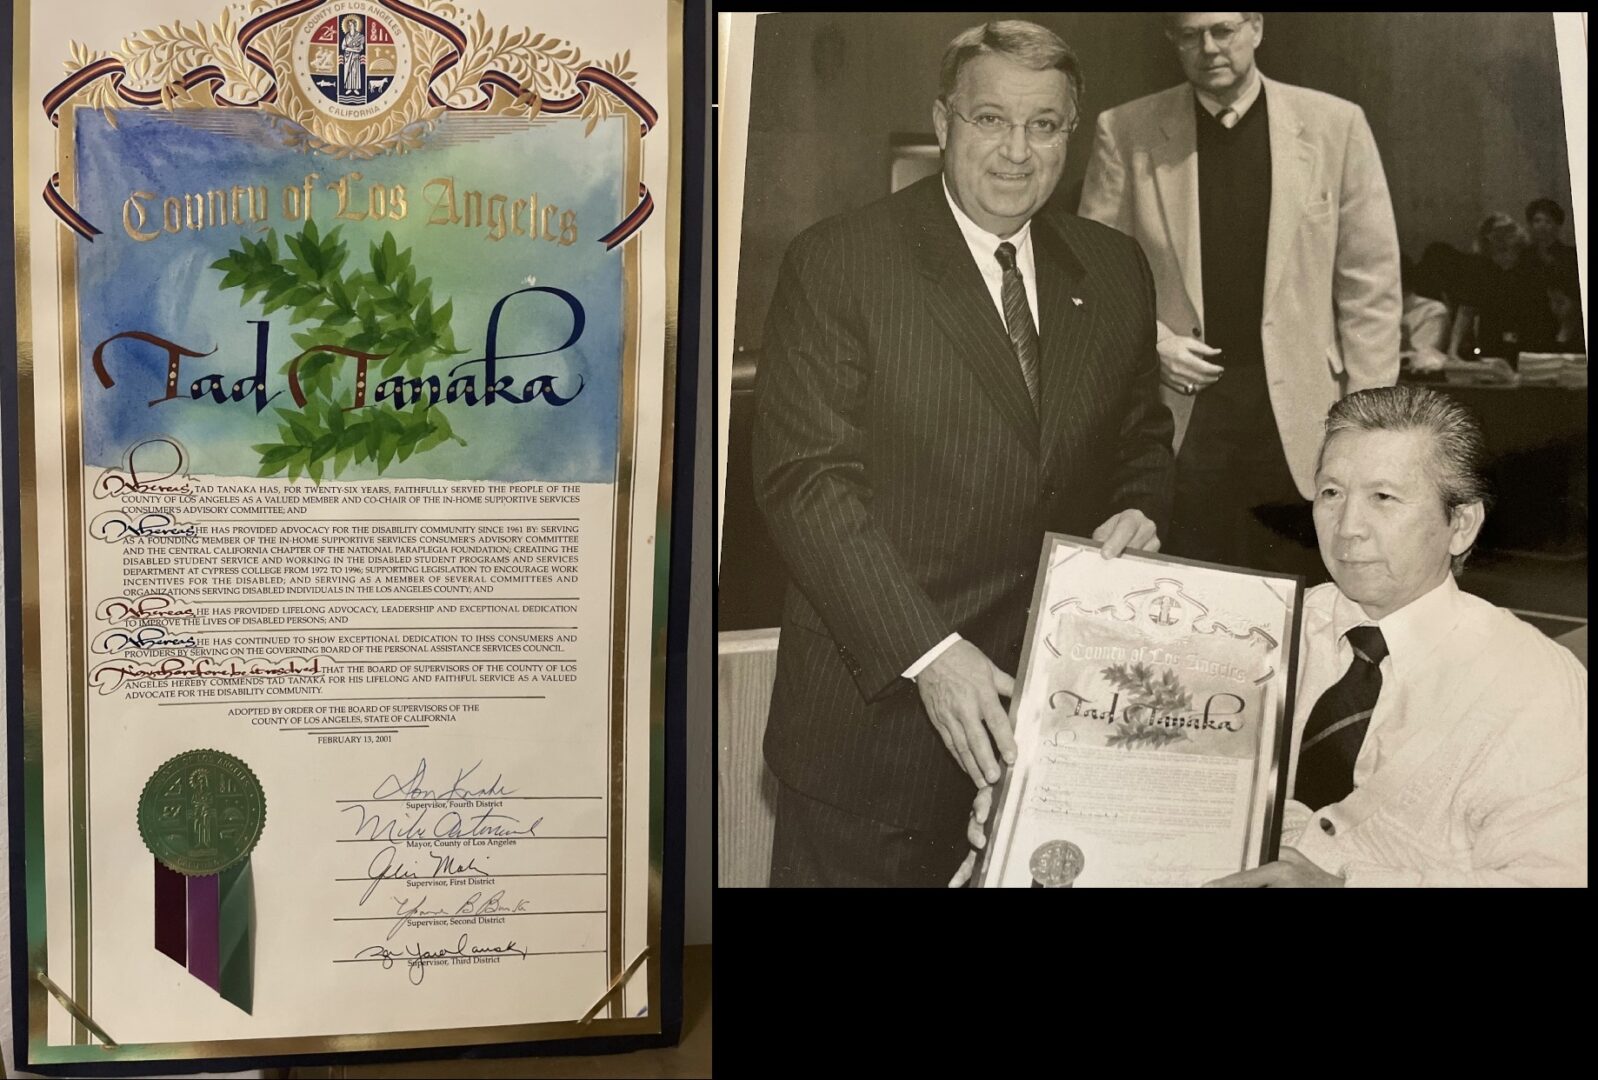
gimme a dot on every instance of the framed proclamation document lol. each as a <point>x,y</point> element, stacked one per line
<point>1152,714</point>
<point>340,479</point>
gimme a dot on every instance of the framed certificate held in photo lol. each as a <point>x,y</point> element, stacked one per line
<point>1152,716</point>
<point>341,467</point>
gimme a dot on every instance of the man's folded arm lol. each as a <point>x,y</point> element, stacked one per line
<point>811,480</point>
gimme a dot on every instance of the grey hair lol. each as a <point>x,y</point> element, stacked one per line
<point>1169,17</point>
<point>1458,450</point>
<point>1028,44</point>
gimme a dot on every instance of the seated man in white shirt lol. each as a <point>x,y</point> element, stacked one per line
<point>1438,739</point>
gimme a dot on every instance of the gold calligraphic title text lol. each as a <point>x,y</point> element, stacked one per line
<point>147,216</point>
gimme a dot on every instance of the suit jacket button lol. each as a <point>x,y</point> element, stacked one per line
<point>1328,828</point>
<point>1197,332</point>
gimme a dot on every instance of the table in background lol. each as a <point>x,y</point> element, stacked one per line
<point>1537,462</point>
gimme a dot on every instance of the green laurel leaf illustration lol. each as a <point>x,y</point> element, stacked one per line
<point>382,310</point>
<point>1149,693</point>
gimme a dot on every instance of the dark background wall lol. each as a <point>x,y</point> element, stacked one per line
<point>1465,107</point>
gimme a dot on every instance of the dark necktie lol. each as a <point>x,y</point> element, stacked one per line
<point>1018,320</point>
<point>1337,724</point>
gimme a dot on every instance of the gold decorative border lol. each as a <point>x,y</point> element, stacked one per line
<point>72,472</point>
<point>621,553</point>
<point>512,72</point>
<point>245,60</point>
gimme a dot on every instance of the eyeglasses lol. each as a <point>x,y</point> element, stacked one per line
<point>1221,33</point>
<point>1041,133</point>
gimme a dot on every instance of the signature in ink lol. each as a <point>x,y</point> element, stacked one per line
<point>447,866</point>
<point>392,787</point>
<point>386,865</point>
<point>416,958</point>
<point>428,824</point>
<point>413,910</point>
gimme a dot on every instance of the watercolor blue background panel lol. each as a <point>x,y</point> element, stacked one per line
<point>165,286</point>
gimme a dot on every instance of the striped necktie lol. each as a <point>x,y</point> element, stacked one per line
<point>1337,724</point>
<point>1018,319</point>
<point>1228,117</point>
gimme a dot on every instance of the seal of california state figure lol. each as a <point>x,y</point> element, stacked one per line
<point>352,58</point>
<point>201,812</point>
<point>1056,864</point>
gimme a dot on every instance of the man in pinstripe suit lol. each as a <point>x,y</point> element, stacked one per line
<point>945,378</point>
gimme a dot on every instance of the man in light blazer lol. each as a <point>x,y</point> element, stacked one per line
<point>1265,216</point>
<point>944,377</point>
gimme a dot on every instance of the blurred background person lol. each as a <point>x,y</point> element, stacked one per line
<point>1552,261</point>
<point>1547,254</point>
<point>1503,305</point>
<point>1568,333</point>
<point>1423,334</point>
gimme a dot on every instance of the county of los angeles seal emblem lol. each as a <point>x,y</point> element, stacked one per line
<point>1056,864</point>
<point>352,58</point>
<point>201,812</point>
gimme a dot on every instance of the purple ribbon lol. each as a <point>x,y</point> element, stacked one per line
<point>204,904</point>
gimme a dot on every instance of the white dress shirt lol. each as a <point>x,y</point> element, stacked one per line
<point>983,245</point>
<point>1473,770</point>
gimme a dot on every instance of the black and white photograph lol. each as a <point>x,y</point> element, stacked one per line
<point>1295,295</point>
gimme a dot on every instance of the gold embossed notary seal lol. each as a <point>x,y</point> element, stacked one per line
<point>201,812</point>
<point>1056,864</point>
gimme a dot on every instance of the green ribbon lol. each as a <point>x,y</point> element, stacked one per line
<point>234,940</point>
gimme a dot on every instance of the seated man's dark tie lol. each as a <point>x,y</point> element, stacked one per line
<point>1337,724</point>
<point>1018,319</point>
